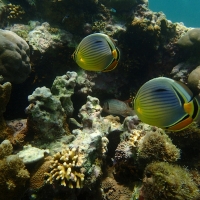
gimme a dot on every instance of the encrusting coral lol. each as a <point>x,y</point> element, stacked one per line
<point>66,168</point>
<point>38,177</point>
<point>13,175</point>
<point>166,181</point>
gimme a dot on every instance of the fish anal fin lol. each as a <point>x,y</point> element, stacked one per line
<point>181,125</point>
<point>111,66</point>
<point>189,107</point>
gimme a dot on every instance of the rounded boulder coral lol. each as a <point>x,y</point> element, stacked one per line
<point>14,57</point>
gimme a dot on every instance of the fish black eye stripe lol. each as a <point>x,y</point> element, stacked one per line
<point>196,107</point>
<point>179,96</point>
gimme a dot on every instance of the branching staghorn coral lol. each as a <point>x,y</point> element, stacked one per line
<point>66,167</point>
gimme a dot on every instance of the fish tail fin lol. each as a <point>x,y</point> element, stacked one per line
<point>196,108</point>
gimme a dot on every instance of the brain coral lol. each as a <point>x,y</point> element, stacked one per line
<point>191,39</point>
<point>14,57</point>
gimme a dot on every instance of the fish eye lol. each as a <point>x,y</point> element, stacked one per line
<point>160,90</point>
<point>97,41</point>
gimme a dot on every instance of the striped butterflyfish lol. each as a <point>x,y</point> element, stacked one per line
<point>97,52</point>
<point>167,104</point>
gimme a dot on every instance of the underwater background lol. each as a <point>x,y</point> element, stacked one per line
<point>186,11</point>
<point>99,100</point>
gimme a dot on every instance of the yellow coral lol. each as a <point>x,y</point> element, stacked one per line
<point>14,11</point>
<point>135,137</point>
<point>66,167</point>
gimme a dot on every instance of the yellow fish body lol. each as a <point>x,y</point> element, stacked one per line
<point>97,52</point>
<point>167,104</point>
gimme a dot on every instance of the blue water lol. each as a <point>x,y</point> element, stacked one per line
<point>186,11</point>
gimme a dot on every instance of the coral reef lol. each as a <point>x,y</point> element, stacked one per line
<point>94,156</point>
<point>165,181</point>
<point>66,168</point>
<point>5,91</point>
<point>13,175</point>
<point>14,56</point>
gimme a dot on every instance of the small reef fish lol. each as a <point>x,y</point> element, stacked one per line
<point>65,17</point>
<point>97,52</point>
<point>117,107</point>
<point>113,10</point>
<point>167,104</point>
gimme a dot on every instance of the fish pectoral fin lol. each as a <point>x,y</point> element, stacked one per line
<point>189,107</point>
<point>115,54</point>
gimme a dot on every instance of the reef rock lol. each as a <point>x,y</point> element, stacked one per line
<point>63,89</point>
<point>31,154</point>
<point>48,109</point>
<point>46,117</point>
<point>43,37</point>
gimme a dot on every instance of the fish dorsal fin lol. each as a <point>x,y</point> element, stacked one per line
<point>187,90</point>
